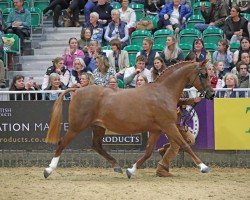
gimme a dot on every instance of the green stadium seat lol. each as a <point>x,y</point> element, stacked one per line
<point>246,15</point>
<point>139,10</point>
<point>194,19</point>
<point>16,46</point>
<point>5,4</point>
<point>211,47</point>
<point>41,4</point>
<point>197,7</point>
<point>36,20</point>
<point>138,36</point>
<point>186,48</point>
<point>161,35</point>
<point>212,35</point>
<point>115,5</point>
<point>188,35</point>
<point>158,47</point>
<point>6,12</point>
<point>234,46</point>
<point>106,47</point>
<point>120,83</point>
<point>132,51</point>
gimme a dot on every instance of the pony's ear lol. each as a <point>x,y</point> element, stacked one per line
<point>203,63</point>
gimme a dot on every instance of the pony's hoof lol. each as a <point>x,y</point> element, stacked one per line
<point>205,169</point>
<point>118,170</point>
<point>47,172</point>
<point>129,174</point>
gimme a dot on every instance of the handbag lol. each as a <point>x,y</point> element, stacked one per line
<point>145,25</point>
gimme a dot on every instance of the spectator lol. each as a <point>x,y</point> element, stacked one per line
<point>73,11</point>
<point>103,8</point>
<point>224,54</point>
<point>19,21</point>
<point>191,56</point>
<point>158,67</point>
<point>95,27</point>
<point>128,15</point>
<point>88,8</point>
<point>117,29</point>
<point>103,71</point>
<point>78,68</point>
<point>113,82</point>
<point>85,38</point>
<point>219,72</point>
<point>244,46</point>
<point>154,6</point>
<point>214,16</point>
<point>174,16</point>
<point>200,51</point>
<point>86,79</point>
<point>245,57</point>
<point>118,59</point>
<point>55,84</point>
<point>235,26</point>
<point>131,73</point>
<point>214,80</point>
<point>56,6</point>
<point>148,52</point>
<point>141,80</point>
<point>59,68</point>
<point>71,53</point>
<point>18,84</point>
<point>231,81</point>
<point>172,53</point>
<point>243,75</point>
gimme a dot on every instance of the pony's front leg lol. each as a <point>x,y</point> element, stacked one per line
<point>98,134</point>
<point>153,137</point>
<point>172,132</point>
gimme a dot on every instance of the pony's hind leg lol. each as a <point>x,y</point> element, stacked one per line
<point>70,135</point>
<point>98,134</point>
<point>153,137</point>
<point>173,132</point>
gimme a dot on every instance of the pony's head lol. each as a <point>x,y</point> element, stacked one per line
<point>201,81</point>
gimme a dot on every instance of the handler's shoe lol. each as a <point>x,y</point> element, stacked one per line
<point>162,171</point>
<point>162,150</point>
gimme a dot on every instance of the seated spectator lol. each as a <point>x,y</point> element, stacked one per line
<point>244,57</point>
<point>200,51</point>
<point>88,8</point>
<point>103,72</point>
<point>214,80</point>
<point>244,46</point>
<point>154,6</point>
<point>141,80</point>
<point>86,79</point>
<point>73,11</point>
<point>148,52</point>
<point>131,73</point>
<point>117,29</point>
<point>158,67</point>
<point>59,68</point>
<point>56,6</point>
<point>172,53</point>
<point>243,75</point>
<point>18,84</point>
<point>235,26</point>
<point>85,38</point>
<point>214,16</point>
<point>118,58</point>
<point>78,68</point>
<point>19,21</point>
<point>128,15</point>
<point>231,81</point>
<point>95,27</point>
<point>103,8</point>
<point>71,53</point>
<point>219,72</point>
<point>55,84</point>
<point>174,15</point>
<point>224,54</point>
<point>113,82</point>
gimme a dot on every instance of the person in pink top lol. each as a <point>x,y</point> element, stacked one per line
<point>71,53</point>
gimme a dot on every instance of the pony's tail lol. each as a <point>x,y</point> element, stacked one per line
<point>56,118</point>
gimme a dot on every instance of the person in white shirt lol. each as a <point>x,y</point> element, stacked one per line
<point>131,73</point>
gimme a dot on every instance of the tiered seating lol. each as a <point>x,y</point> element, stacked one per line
<point>115,5</point>
<point>186,48</point>
<point>212,35</point>
<point>161,35</point>
<point>234,46</point>
<point>132,51</point>
<point>197,7</point>
<point>16,46</point>
<point>211,47</point>
<point>139,10</point>
<point>138,36</point>
<point>42,4</point>
<point>188,35</point>
<point>5,4</point>
<point>194,19</point>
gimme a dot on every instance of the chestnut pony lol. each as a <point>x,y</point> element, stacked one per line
<point>151,107</point>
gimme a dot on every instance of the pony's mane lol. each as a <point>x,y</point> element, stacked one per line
<point>170,68</point>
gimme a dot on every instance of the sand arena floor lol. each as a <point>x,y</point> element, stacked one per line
<point>98,183</point>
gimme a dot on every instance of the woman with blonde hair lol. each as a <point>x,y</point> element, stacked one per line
<point>86,79</point>
<point>103,72</point>
<point>141,80</point>
<point>172,53</point>
<point>78,68</point>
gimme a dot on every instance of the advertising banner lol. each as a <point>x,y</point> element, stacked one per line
<point>24,125</point>
<point>232,124</point>
<point>201,123</point>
